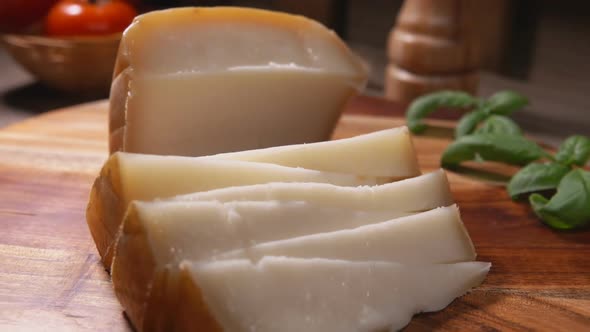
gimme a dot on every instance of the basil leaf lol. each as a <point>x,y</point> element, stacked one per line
<point>423,106</point>
<point>505,103</point>
<point>499,124</point>
<point>509,149</point>
<point>575,150</point>
<point>569,208</point>
<point>469,122</point>
<point>536,177</point>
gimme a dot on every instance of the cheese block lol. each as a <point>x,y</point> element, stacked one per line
<point>388,154</point>
<point>293,295</point>
<point>156,237</point>
<point>421,193</point>
<point>199,81</point>
<point>126,177</point>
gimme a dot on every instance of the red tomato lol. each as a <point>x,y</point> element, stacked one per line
<point>83,18</point>
<point>16,15</point>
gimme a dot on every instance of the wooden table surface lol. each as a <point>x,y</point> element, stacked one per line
<point>51,278</point>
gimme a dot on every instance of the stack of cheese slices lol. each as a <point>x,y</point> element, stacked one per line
<point>292,238</point>
<point>340,235</point>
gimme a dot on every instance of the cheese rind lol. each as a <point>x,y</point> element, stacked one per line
<point>156,236</point>
<point>228,74</point>
<point>126,177</point>
<point>202,35</point>
<point>290,294</point>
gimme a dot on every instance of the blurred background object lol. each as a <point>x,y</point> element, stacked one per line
<point>435,45</point>
<point>537,47</point>
<point>78,66</point>
<point>16,15</point>
<point>68,45</point>
<point>80,18</point>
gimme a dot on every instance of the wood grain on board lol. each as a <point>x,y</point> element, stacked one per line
<point>51,277</point>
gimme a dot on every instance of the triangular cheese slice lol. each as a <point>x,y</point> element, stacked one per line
<point>292,295</point>
<point>440,233</point>
<point>420,193</point>
<point>387,154</point>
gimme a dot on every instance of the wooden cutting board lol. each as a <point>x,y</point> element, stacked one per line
<point>51,277</point>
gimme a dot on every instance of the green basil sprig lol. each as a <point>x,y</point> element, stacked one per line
<point>487,133</point>
<point>502,103</point>
<point>569,208</point>
<point>491,115</point>
<point>509,149</point>
<point>469,122</point>
<point>575,150</point>
<point>427,104</point>
<point>499,124</point>
<point>536,177</point>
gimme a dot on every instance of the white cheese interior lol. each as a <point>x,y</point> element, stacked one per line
<point>386,153</point>
<point>207,113</point>
<point>145,177</point>
<point>199,230</point>
<point>206,230</point>
<point>440,234</point>
<point>289,294</point>
<point>421,193</point>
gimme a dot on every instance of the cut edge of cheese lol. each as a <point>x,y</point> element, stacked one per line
<point>200,230</point>
<point>377,295</point>
<point>322,53</point>
<point>387,154</point>
<point>140,260</point>
<point>416,194</point>
<point>126,177</point>
<point>440,233</point>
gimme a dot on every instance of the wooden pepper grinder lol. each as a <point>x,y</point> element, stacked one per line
<point>433,46</point>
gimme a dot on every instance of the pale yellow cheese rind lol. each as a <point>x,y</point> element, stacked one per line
<point>148,25</point>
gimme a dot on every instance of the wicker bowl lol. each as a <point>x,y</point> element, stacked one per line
<point>73,65</point>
